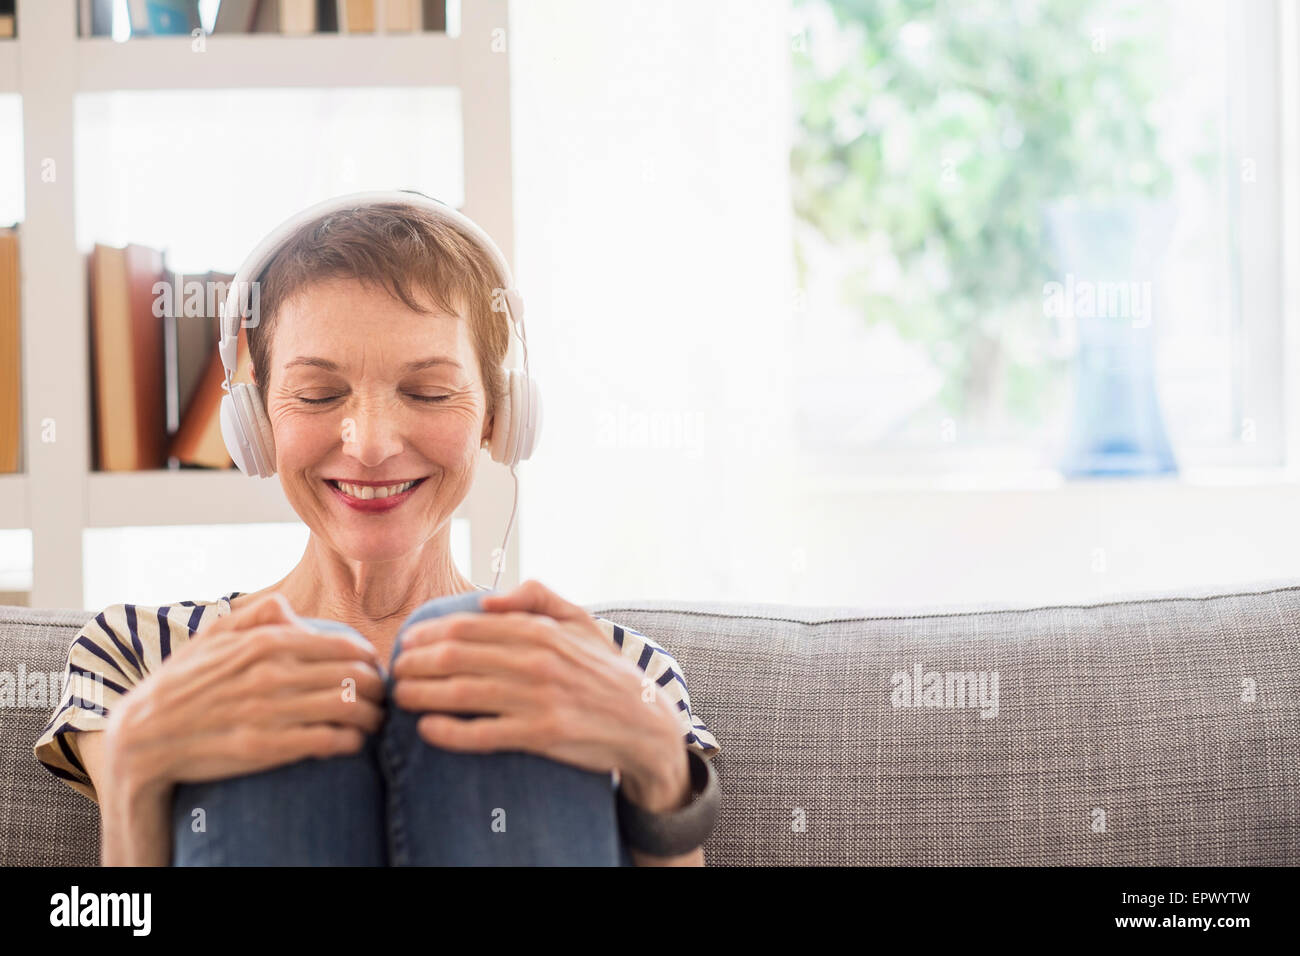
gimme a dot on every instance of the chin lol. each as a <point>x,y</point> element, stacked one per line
<point>367,547</point>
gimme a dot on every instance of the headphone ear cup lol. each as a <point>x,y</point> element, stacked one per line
<point>231,434</point>
<point>517,411</point>
<point>247,431</point>
<point>528,441</point>
<point>261,430</point>
<point>502,425</point>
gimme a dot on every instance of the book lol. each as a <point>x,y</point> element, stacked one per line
<point>356,16</point>
<point>163,17</point>
<point>433,15</point>
<point>397,16</point>
<point>198,442</point>
<point>190,335</point>
<point>297,17</point>
<point>327,16</point>
<point>95,18</point>
<point>171,368</point>
<point>127,350</point>
<point>10,352</point>
<point>267,17</point>
<point>197,336</point>
<point>236,16</point>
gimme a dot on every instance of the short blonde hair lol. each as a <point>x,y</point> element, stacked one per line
<point>400,247</point>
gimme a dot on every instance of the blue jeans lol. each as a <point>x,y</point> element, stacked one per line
<point>401,802</point>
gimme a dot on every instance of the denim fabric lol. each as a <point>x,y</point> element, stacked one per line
<point>402,802</point>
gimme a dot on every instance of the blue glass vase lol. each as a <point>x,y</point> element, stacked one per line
<point>1107,257</point>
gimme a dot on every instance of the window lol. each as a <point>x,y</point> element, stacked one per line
<point>1027,228</point>
<point>722,427</point>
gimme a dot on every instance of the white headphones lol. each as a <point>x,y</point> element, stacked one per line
<point>244,425</point>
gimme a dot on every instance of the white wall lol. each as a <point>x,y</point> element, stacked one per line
<point>653,246</point>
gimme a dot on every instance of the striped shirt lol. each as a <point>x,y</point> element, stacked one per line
<point>124,642</point>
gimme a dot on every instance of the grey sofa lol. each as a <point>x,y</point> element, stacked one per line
<point>1156,730</point>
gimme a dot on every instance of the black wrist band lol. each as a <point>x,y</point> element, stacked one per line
<point>680,831</point>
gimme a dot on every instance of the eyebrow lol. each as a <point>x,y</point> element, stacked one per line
<point>327,365</point>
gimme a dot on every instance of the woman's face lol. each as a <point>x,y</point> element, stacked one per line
<point>380,418</point>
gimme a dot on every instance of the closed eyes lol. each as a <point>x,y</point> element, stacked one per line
<point>332,398</point>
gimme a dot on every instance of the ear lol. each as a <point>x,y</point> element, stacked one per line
<point>252,373</point>
<point>487,432</point>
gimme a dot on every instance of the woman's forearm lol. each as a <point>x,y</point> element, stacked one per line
<point>134,807</point>
<point>137,828</point>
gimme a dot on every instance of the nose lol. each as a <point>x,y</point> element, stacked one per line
<point>370,434</point>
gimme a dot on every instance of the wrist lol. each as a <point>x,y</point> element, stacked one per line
<point>673,836</point>
<point>135,810</point>
<point>136,827</point>
<point>664,784</point>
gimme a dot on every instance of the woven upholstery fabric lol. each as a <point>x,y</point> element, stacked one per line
<point>1132,708</point>
<point>1121,735</point>
<point>43,821</point>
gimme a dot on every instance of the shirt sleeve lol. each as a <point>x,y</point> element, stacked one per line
<point>108,657</point>
<point>660,667</point>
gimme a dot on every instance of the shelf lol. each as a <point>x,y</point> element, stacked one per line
<point>57,499</point>
<point>268,60</point>
<point>9,66</point>
<point>13,501</point>
<point>120,499</point>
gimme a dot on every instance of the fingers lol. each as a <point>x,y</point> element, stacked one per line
<point>208,676</point>
<point>322,706</point>
<point>280,679</point>
<point>508,627</point>
<point>535,598</point>
<point>270,608</point>
<point>485,735</point>
<point>249,751</point>
<point>313,740</point>
<point>459,657</point>
<point>470,694</point>
<point>567,639</point>
<point>305,645</point>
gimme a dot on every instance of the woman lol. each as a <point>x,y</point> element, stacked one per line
<point>492,737</point>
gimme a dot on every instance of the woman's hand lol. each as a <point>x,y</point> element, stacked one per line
<point>252,690</point>
<point>553,685</point>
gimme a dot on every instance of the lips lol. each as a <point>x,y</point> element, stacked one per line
<point>382,497</point>
<point>370,489</point>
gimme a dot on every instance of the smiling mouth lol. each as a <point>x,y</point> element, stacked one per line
<point>373,492</point>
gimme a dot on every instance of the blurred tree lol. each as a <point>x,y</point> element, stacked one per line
<point>930,137</point>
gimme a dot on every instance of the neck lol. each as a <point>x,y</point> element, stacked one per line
<point>374,597</point>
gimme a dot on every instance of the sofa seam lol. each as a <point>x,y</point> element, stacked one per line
<point>645,608</point>
<point>603,609</point>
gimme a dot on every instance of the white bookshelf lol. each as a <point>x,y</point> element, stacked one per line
<point>123,498</point>
<point>13,501</point>
<point>235,61</point>
<point>8,66</point>
<point>58,496</point>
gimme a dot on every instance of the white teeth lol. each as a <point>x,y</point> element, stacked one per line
<point>367,492</point>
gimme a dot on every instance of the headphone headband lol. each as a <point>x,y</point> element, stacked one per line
<point>266,250</point>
